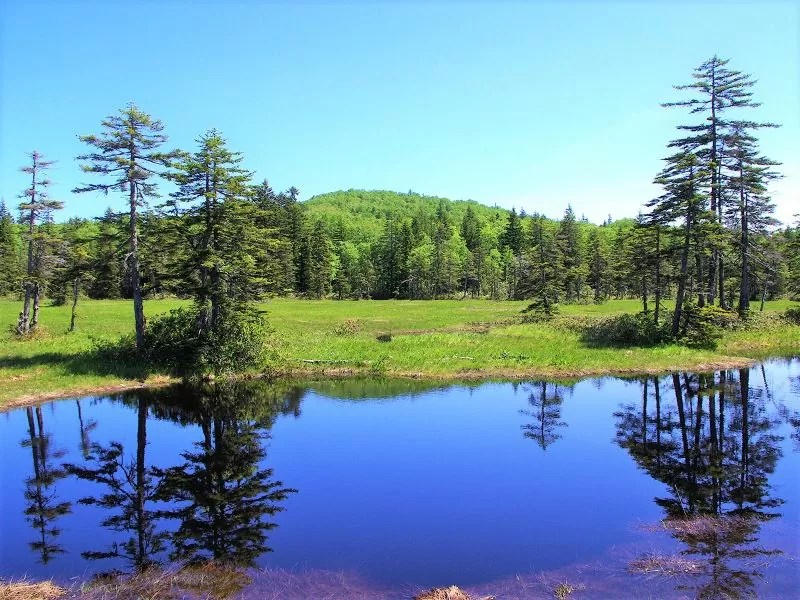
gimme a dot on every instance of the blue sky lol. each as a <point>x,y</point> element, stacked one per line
<point>526,104</point>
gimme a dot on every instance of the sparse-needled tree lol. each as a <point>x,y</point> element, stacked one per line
<point>36,209</point>
<point>126,153</point>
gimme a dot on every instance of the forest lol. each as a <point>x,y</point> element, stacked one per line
<point>215,234</point>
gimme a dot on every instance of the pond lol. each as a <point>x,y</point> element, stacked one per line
<point>670,486</point>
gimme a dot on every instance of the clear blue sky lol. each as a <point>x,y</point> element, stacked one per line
<point>526,104</point>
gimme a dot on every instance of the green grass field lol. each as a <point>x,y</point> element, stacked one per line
<point>447,339</point>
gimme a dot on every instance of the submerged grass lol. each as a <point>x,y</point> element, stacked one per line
<point>447,339</point>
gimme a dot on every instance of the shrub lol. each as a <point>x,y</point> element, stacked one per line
<point>239,344</point>
<point>172,341</point>
<point>175,343</point>
<point>628,330</point>
<point>538,311</point>
<point>347,327</point>
<point>702,327</point>
<point>792,315</point>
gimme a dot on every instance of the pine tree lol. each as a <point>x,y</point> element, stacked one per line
<point>541,280</point>
<point>108,257</point>
<point>683,200</point>
<point>126,154</point>
<point>571,256</point>
<point>210,180</point>
<point>749,206</point>
<point>10,266</point>
<point>513,236</point>
<point>320,255</point>
<point>598,266</point>
<point>36,212</point>
<point>718,89</point>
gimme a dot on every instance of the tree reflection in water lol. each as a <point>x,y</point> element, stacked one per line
<point>43,507</point>
<point>545,398</point>
<point>714,448</point>
<point>130,486</point>
<point>221,495</point>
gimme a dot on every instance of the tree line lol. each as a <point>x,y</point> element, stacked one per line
<point>225,240</point>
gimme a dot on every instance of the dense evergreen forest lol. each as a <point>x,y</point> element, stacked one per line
<point>375,244</point>
<point>217,235</point>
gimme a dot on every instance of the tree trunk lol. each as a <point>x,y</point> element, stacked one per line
<point>75,288</point>
<point>141,443</point>
<point>744,288</point>
<point>699,260</point>
<point>679,298</point>
<point>133,264</point>
<point>37,293</point>
<point>658,274</point>
<point>676,384</point>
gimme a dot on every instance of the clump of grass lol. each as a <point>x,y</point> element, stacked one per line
<point>348,327</point>
<point>449,593</point>
<point>24,590</point>
<point>563,591</point>
<point>206,580</point>
<point>671,565</point>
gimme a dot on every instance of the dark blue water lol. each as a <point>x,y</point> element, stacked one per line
<point>406,485</point>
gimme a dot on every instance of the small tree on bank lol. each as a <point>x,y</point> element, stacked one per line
<point>36,209</point>
<point>126,153</point>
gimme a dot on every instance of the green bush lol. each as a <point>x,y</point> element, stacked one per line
<point>701,327</point>
<point>539,310</point>
<point>172,341</point>
<point>175,344</point>
<point>792,315</point>
<point>628,330</point>
<point>238,345</point>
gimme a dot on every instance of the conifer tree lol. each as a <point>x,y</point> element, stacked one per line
<point>126,153</point>
<point>513,236</point>
<point>36,211</point>
<point>107,260</point>
<point>749,206</point>
<point>683,200</point>
<point>717,90</point>
<point>598,266</point>
<point>209,181</point>
<point>571,259</point>
<point>320,255</point>
<point>10,267</point>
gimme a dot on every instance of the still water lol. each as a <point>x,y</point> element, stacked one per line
<point>680,485</point>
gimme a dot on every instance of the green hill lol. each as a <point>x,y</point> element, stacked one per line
<point>359,215</point>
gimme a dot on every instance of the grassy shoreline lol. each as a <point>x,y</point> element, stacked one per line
<point>448,340</point>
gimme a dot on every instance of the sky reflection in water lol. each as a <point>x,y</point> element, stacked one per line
<point>406,483</point>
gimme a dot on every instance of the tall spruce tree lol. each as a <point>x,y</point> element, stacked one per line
<point>10,242</point>
<point>717,89</point>
<point>684,201</point>
<point>209,181</point>
<point>36,211</point>
<point>571,257</point>
<point>126,153</point>
<point>749,207</point>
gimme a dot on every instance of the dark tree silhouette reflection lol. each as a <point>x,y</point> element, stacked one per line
<point>225,497</point>
<point>714,448</point>
<point>130,486</point>
<point>213,506</point>
<point>545,398</point>
<point>43,507</point>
